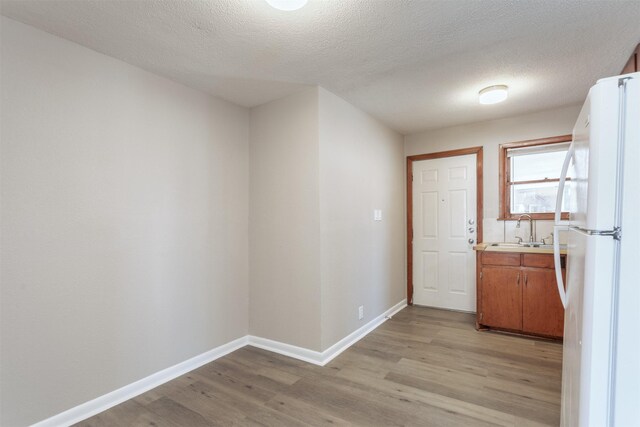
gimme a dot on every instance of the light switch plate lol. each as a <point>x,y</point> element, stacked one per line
<point>377,214</point>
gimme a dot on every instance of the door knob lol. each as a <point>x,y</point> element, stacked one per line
<point>471,241</point>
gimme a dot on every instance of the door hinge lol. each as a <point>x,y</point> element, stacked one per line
<point>481,275</point>
<point>481,316</point>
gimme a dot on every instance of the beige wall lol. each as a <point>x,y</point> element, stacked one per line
<point>490,135</point>
<point>319,167</point>
<point>124,224</point>
<point>361,169</point>
<point>285,221</point>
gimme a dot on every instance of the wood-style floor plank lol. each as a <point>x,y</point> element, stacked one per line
<point>424,367</point>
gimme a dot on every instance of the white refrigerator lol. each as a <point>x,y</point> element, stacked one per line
<point>601,359</point>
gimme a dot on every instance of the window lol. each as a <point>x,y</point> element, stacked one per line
<point>529,177</point>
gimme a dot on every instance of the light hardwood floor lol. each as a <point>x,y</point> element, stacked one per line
<point>424,367</point>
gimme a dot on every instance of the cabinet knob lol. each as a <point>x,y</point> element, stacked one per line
<point>471,222</point>
<point>471,229</point>
<point>471,241</point>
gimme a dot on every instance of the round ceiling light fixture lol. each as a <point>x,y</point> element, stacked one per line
<point>287,5</point>
<point>493,94</point>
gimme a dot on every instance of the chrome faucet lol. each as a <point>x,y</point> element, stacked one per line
<point>531,239</point>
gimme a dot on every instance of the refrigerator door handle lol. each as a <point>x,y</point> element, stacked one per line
<point>561,225</point>
<point>560,195</point>
<point>616,233</point>
<point>556,262</point>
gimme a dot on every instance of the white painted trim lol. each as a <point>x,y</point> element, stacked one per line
<point>109,400</point>
<point>324,357</point>
<point>300,353</point>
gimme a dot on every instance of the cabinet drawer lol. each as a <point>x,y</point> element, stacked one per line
<point>495,258</point>
<point>537,260</point>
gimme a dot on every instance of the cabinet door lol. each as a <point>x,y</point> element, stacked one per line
<point>502,297</point>
<point>542,311</point>
<point>632,64</point>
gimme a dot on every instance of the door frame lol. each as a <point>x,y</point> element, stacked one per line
<point>479,202</point>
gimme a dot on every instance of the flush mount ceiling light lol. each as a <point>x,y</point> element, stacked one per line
<point>287,5</point>
<point>493,94</point>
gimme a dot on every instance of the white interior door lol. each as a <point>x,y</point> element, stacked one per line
<point>444,232</point>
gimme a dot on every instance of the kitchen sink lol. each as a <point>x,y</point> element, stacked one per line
<point>535,245</point>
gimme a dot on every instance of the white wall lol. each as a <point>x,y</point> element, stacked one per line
<point>361,169</point>
<point>124,224</point>
<point>285,221</point>
<point>489,135</point>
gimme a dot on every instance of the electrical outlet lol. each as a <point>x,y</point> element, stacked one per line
<point>361,312</point>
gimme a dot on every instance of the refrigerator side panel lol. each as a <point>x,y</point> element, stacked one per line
<point>596,354</point>
<point>599,173</point>
<point>578,184</point>
<point>572,345</point>
<point>626,409</point>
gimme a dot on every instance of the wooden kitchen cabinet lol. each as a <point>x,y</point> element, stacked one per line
<point>542,312</point>
<point>633,64</point>
<point>517,292</point>
<point>501,297</point>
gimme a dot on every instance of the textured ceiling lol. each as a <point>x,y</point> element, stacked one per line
<point>415,65</point>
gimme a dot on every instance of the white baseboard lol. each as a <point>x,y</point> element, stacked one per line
<point>109,400</point>
<point>288,350</point>
<point>332,352</point>
<point>324,357</point>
